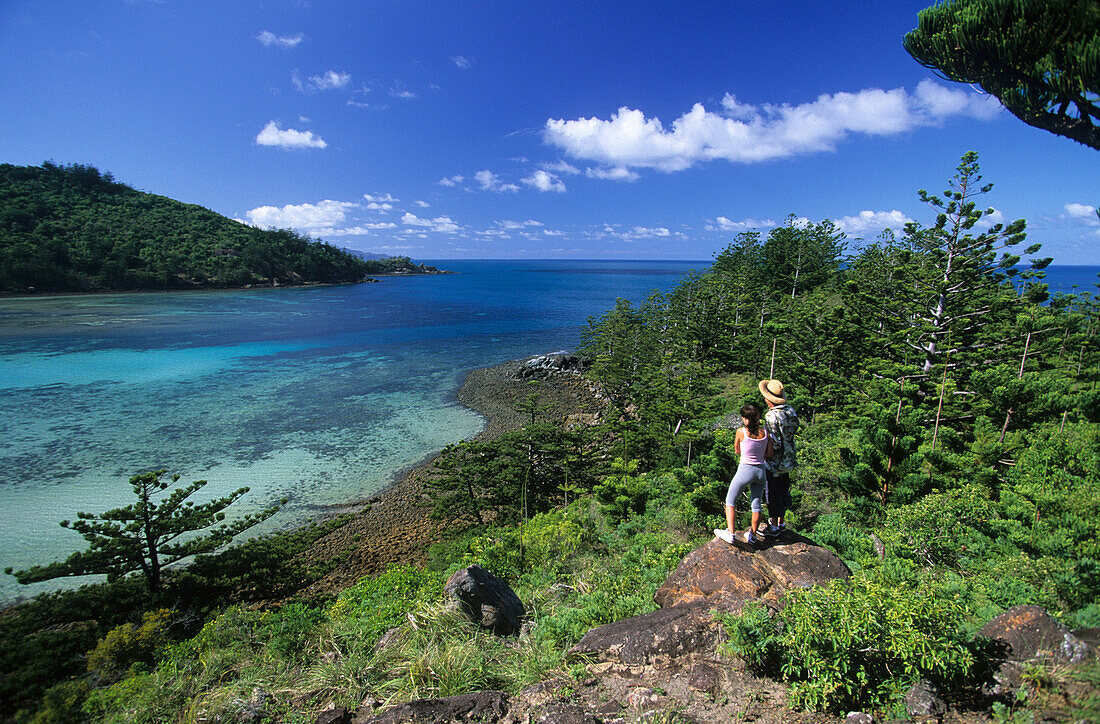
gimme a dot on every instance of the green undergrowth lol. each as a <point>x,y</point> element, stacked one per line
<point>392,637</point>
<point>950,561</point>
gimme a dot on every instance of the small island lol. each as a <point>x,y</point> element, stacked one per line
<point>71,228</point>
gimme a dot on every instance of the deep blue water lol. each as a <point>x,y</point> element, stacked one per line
<point>1069,279</point>
<point>320,395</point>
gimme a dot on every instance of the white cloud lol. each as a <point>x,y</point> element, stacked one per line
<point>379,202</point>
<point>330,80</point>
<point>941,102</point>
<point>509,224</point>
<point>724,224</point>
<point>398,90</point>
<point>451,181</point>
<point>270,39</point>
<point>872,222</point>
<point>361,229</point>
<point>561,167</point>
<point>644,232</point>
<point>617,173</point>
<point>743,133</point>
<point>462,62</point>
<point>552,232</point>
<point>997,217</point>
<point>322,217</point>
<point>544,181</point>
<point>440,224</point>
<point>1082,213</point>
<point>272,135</point>
<point>489,181</point>
<point>421,204</point>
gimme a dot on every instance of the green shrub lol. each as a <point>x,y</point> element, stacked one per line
<point>62,702</point>
<point>284,632</point>
<point>133,699</point>
<point>553,538</point>
<point>753,637</point>
<point>850,543</point>
<point>372,606</point>
<point>858,644</point>
<point>128,645</point>
<point>940,527</point>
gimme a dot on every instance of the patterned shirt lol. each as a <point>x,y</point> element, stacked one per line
<point>782,422</point>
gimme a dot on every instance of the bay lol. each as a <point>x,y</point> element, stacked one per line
<point>321,395</point>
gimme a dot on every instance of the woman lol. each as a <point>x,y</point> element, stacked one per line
<point>754,446</point>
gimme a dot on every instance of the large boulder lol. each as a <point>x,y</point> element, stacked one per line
<point>1029,633</point>
<point>725,574</point>
<point>487,600</point>
<point>655,637</point>
<point>1021,635</point>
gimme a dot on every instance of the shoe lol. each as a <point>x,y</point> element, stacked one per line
<point>753,539</point>
<point>773,531</point>
<point>723,534</point>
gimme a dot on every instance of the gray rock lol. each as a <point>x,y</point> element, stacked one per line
<point>336,715</point>
<point>858,717</point>
<point>482,706</point>
<point>655,637</point>
<point>924,700</point>
<point>1028,633</point>
<point>487,600</point>
<point>553,362</point>
<point>564,713</point>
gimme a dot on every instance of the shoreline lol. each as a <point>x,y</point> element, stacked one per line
<point>395,525</point>
<point>370,279</point>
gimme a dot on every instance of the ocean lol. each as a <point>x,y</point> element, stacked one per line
<point>321,395</point>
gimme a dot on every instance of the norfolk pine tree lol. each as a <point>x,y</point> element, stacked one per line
<point>145,536</point>
<point>1040,58</point>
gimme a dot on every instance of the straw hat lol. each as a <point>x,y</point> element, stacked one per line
<point>772,390</point>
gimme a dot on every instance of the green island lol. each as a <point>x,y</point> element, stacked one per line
<point>70,228</point>
<point>948,454</point>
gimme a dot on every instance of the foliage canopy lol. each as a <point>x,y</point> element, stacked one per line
<point>72,228</point>
<point>1041,58</point>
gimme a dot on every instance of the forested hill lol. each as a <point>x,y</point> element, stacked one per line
<point>72,228</point>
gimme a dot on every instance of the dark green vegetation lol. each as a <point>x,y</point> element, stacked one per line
<point>1040,58</point>
<point>147,535</point>
<point>949,417</point>
<point>71,228</point>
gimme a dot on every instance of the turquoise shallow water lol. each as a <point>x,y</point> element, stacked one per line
<point>319,395</point>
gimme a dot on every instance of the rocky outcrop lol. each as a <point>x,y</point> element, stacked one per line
<point>487,600</point>
<point>553,362</point>
<point>656,637</point>
<point>1028,633</point>
<point>483,706</point>
<point>1021,635</point>
<point>717,576</point>
<point>727,574</point>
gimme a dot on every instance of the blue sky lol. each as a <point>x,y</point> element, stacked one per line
<point>498,129</point>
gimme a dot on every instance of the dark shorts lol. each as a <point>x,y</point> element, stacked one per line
<point>779,493</point>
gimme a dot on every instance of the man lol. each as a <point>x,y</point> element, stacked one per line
<point>781,422</point>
